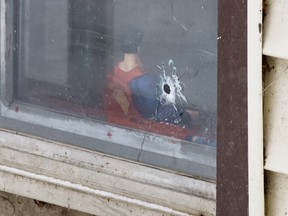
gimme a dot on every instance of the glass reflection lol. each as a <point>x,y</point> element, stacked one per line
<point>142,64</point>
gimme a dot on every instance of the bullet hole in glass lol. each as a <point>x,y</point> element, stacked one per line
<point>166,88</point>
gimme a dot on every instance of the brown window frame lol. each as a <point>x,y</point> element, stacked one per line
<point>232,148</point>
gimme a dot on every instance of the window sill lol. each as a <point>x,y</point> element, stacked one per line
<point>96,183</point>
<point>197,159</point>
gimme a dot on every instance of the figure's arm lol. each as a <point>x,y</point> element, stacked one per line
<point>122,100</point>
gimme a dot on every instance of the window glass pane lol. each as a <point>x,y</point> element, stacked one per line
<point>149,65</point>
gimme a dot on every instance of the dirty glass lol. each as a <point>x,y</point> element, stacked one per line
<point>144,65</point>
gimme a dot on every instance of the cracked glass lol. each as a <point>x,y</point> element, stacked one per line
<point>146,66</point>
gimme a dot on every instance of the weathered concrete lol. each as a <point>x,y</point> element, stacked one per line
<point>13,205</point>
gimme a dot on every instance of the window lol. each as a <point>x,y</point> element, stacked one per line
<point>143,85</point>
<point>58,65</point>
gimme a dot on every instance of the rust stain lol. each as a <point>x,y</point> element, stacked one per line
<point>109,134</point>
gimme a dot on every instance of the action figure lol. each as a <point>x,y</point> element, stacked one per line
<point>119,106</point>
<point>132,97</point>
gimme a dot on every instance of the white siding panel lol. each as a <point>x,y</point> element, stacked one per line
<point>276,115</point>
<point>276,194</point>
<point>275,29</point>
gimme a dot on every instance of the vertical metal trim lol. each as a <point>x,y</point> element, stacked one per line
<point>232,143</point>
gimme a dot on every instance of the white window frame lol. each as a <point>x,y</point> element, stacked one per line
<point>255,109</point>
